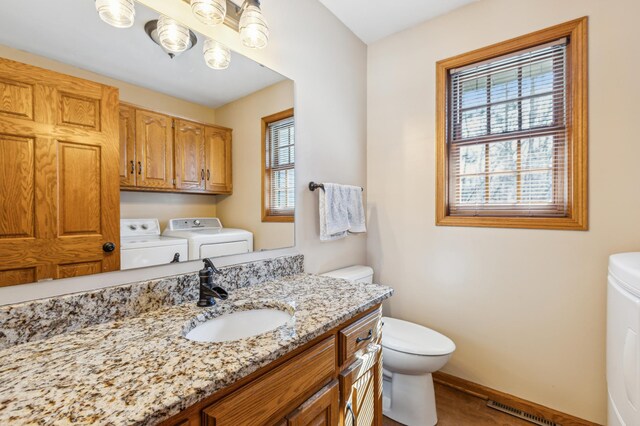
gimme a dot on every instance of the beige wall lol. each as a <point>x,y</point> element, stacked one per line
<point>165,206</point>
<point>526,308</point>
<point>242,209</point>
<point>328,64</point>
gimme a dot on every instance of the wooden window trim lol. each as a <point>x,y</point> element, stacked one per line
<point>266,176</point>
<point>576,219</point>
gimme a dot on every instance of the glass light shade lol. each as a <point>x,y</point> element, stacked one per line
<point>216,54</point>
<point>173,35</point>
<point>117,13</point>
<point>209,12</point>
<point>254,31</point>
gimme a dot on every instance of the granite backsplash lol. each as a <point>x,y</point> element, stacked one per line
<point>44,318</point>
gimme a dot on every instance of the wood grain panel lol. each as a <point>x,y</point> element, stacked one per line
<point>218,160</point>
<point>361,389</point>
<point>127,128</point>
<point>154,150</point>
<point>16,99</point>
<point>78,269</point>
<point>79,177</point>
<point>79,111</point>
<point>189,155</point>
<point>17,187</point>
<point>321,409</point>
<point>74,163</point>
<point>261,401</point>
<point>17,276</point>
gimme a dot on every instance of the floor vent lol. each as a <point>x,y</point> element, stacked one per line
<point>541,421</point>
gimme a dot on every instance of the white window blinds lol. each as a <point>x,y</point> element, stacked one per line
<point>507,135</point>
<point>280,164</point>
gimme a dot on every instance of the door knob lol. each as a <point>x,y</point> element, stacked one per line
<point>108,247</point>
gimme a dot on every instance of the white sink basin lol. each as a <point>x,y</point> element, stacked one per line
<point>238,325</point>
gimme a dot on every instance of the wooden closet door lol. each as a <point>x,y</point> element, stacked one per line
<point>218,160</point>
<point>127,163</point>
<point>154,150</point>
<point>189,155</point>
<point>59,189</point>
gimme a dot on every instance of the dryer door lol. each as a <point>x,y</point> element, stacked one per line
<point>224,249</point>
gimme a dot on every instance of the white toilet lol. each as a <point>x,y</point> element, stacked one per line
<point>410,353</point>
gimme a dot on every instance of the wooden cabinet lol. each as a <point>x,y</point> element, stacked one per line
<point>154,150</point>
<point>189,155</point>
<point>266,399</point>
<point>127,120</point>
<point>361,389</point>
<point>167,154</point>
<point>218,160</point>
<point>311,387</point>
<point>322,409</point>
<point>58,175</point>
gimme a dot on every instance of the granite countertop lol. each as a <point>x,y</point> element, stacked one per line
<point>141,370</point>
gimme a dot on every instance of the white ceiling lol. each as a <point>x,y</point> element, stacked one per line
<point>71,32</point>
<point>372,20</point>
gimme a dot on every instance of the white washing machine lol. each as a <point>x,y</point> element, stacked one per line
<point>208,238</point>
<point>142,245</point>
<point>623,344</point>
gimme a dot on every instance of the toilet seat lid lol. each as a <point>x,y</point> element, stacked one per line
<point>404,336</point>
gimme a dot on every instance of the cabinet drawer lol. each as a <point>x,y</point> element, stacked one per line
<point>358,335</point>
<point>260,401</point>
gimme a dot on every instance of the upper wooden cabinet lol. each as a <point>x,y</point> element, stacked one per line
<point>127,164</point>
<point>58,175</point>
<point>154,150</point>
<point>189,155</point>
<point>218,160</point>
<point>162,153</point>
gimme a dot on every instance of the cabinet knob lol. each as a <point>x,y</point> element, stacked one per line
<point>133,167</point>
<point>139,167</point>
<point>108,247</point>
<point>208,175</point>
<point>202,174</point>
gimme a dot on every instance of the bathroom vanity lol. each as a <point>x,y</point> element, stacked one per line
<point>323,366</point>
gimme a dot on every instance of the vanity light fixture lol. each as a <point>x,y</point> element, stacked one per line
<point>152,30</point>
<point>173,36</point>
<point>216,54</point>
<point>254,31</point>
<point>209,12</point>
<point>117,13</point>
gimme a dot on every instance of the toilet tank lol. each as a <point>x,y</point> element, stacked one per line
<point>359,273</point>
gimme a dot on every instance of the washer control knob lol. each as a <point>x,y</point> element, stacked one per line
<point>196,222</point>
<point>144,226</point>
<point>133,227</point>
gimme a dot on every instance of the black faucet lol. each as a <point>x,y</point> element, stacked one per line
<point>207,290</point>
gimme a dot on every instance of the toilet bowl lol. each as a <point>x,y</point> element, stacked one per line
<point>410,353</point>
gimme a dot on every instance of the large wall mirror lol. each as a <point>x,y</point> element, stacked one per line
<point>116,155</point>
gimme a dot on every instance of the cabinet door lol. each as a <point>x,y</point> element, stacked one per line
<point>218,160</point>
<point>154,150</point>
<point>58,175</point>
<point>189,155</point>
<point>321,409</point>
<point>127,122</point>
<point>361,390</point>
<point>265,400</point>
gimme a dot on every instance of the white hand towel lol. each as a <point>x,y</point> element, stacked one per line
<point>341,211</point>
<point>355,210</point>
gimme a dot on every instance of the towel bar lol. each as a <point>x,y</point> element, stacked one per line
<point>313,186</point>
